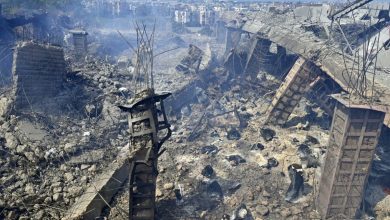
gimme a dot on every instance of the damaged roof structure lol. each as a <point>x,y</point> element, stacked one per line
<point>270,111</point>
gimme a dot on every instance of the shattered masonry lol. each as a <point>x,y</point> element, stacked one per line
<point>253,99</point>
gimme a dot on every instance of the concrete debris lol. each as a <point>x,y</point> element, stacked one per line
<point>251,110</point>
<point>267,134</point>
<point>210,149</point>
<point>235,160</point>
<point>214,190</point>
<point>191,63</point>
<point>262,210</point>
<point>233,134</point>
<point>272,162</point>
<point>307,156</point>
<point>257,146</point>
<point>240,213</point>
<point>234,187</point>
<point>208,171</point>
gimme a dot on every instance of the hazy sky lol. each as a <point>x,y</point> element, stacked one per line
<point>382,1</point>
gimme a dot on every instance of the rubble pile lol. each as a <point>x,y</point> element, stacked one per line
<point>53,150</point>
<point>251,163</point>
<point>225,158</point>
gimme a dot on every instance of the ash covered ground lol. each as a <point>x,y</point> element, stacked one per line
<point>223,160</point>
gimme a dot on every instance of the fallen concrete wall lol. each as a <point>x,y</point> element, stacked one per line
<point>182,97</point>
<point>38,72</point>
<point>102,190</point>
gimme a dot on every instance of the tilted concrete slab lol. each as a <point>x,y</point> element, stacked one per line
<point>283,31</point>
<point>102,190</point>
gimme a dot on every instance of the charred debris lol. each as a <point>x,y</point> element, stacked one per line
<point>209,110</point>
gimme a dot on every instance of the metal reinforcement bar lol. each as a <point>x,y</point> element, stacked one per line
<point>349,8</point>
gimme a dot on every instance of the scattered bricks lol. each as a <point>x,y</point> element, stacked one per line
<point>354,136</point>
<point>291,91</point>
<point>38,72</point>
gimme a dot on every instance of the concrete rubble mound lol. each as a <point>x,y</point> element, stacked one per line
<point>275,110</point>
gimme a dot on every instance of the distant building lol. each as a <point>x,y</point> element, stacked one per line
<point>182,17</point>
<point>121,8</point>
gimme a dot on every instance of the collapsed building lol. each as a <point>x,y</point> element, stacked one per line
<point>264,124</point>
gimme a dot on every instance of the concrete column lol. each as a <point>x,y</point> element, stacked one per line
<point>258,56</point>
<point>220,31</point>
<point>232,38</point>
<point>80,43</point>
<point>353,138</point>
<point>38,72</point>
<point>292,90</point>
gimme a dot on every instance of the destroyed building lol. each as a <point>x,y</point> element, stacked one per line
<point>181,110</point>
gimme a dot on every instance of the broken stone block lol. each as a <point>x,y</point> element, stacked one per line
<point>240,213</point>
<point>29,189</point>
<point>226,217</point>
<point>3,106</point>
<point>311,140</point>
<point>262,210</point>
<point>234,187</point>
<point>257,146</point>
<point>68,177</point>
<point>208,171</point>
<point>233,134</point>
<point>169,186</point>
<point>304,151</point>
<point>159,193</point>
<point>21,148</point>
<point>209,149</point>
<point>30,156</point>
<point>235,159</point>
<point>57,197</point>
<point>84,166</point>
<point>69,147</point>
<point>272,162</point>
<point>214,190</point>
<point>92,168</point>
<point>267,133</point>
<point>307,157</point>
<point>11,141</point>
